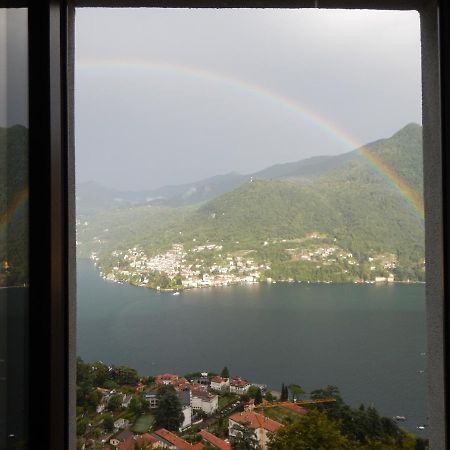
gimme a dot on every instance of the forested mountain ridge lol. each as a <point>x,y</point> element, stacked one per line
<point>284,221</point>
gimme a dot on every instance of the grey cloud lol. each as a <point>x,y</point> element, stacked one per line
<point>141,128</point>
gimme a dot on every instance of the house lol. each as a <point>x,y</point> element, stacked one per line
<point>106,395</point>
<point>204,401</point>
<point>184,395</point>
<point>126,400</point>
<point>214,440</point>
<point>168,440</point>
<point>239,386</point>
<point>121,424</point>
<point>187,420</point>
<point>220,384</point>
<point>203,380</point>
<point>170,379</point>
<point>152,396</point>
<point>262,426</point>
<point>167,378</point>
<point>143,440</point>
<point>119,437</point>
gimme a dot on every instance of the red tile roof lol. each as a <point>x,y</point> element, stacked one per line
<point>214,440</point>
<point>173,439</point>
<point>239,382</point>
<point>166,377</point>
<point>130,443</point>
<point>218,380</point>
<point>256,420</point>
<point>293,407</point>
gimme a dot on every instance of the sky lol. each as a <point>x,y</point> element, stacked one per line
<point>13,67</point>
<point>171,96</point>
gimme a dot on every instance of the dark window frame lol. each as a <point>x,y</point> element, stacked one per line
<point>52,201</point>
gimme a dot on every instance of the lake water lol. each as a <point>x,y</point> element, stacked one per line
<point>368,340</point>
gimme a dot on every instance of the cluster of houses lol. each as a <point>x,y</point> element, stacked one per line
<point>133,264</point>
<point>261,426</point>
<point>197,394</point>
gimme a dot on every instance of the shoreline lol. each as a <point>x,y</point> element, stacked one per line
<point>259,283</point>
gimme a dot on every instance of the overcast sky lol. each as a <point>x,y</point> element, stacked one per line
<point>173,96</point>
<point>13,67</point>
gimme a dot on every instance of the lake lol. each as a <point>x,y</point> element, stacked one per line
<point>369,340</point>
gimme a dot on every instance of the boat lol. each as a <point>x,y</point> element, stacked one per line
<point>399,418</point>
<point>176,293</point>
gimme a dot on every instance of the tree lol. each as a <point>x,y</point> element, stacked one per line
<point>255,393</point>
<point>284,393</point>
<point>296,390</point>
<point>225,372</point>
<point>258,397</point>
<point>82,426</point>
<point>100,373</point>
<point>244,439</point>
<point>115,403</point>
<point>169,414</point>
<point>270,397</point>
<point>312,431</point>
<point>136,405</point>
<point>94,399</point>
<point>108,422</point>
<point>124,375</point>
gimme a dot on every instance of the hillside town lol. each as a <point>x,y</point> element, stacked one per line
<point>208,402</point>
<point>184,269</point>
<point>119,410</point>
<point>208,265</point>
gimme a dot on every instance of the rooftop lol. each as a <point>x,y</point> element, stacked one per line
<point>256,420</point>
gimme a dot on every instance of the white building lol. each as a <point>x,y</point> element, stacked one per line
<point>262,426</point>
<point>121,424</point>
<point>220,384</point>
<point>204,401</point>
<point>239,386</point>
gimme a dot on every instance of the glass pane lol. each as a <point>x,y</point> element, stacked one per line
<point>13,227</point>
<point>249,198</point>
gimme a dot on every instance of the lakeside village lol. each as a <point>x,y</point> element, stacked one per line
<point>117,409</point>
<point>208,265</point>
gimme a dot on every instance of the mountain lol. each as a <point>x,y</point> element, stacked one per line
<point>92,197</point>
<point>345,202</point>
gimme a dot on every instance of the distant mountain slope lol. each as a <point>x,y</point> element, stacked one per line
<point>348,200</point>
<point>93,197</point>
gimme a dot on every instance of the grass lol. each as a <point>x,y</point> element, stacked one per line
<point>225,399</point>
<point>143,424</point>
<point>279,414</point>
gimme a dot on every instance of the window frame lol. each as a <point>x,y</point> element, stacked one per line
<point>52,328</point>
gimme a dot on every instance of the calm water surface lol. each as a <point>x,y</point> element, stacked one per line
<point>366,339</point>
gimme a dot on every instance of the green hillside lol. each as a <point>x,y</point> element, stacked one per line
<point>349,209</point>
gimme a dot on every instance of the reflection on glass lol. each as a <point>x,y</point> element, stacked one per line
<point>13,227</point>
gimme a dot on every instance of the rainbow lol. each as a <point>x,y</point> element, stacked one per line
<point>13,209</point>
<point>307,114</point>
